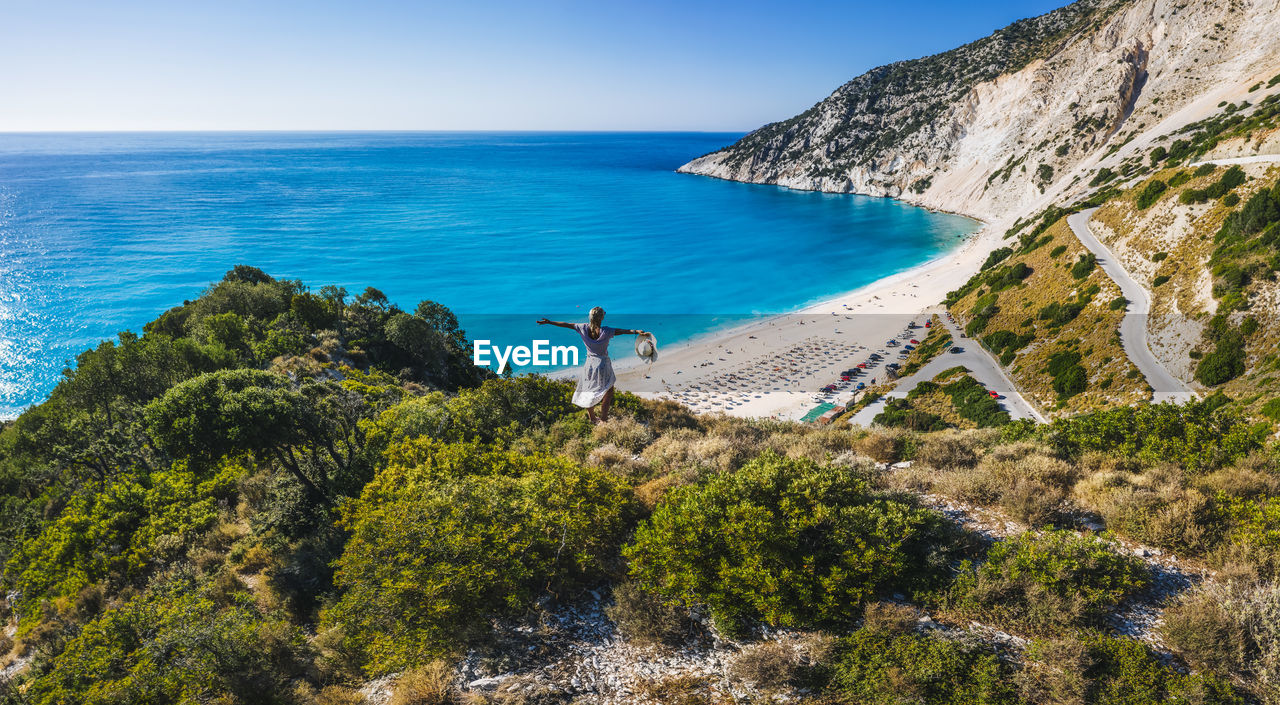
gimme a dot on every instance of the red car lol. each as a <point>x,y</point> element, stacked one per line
<point>915,342</point>
<point>928,324</point>
<point>993,394</point>
<point>862,365</point>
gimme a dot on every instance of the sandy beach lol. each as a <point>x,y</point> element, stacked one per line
<point>774,367</point>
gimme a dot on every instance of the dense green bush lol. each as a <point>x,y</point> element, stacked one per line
<point>972,402</point>
<point>118,533</point>
<point>1005,277</point>
<point>177,643</point>
<point>1069,376</point>
<point>898,413</point>
<point>1046,582</point>
<point>1084,266</point>
<point>1149,194</point>
<point>879,667</point>
<point>785,541</point>
<point>1106,670</point>
<point>1003,341</point>
<point>1197,435</point>
<point>982,311</point>
<point>458,534</point>
<point>1179,178</point>
<point>497,411</point>
<point>997,256</point>
<point>1226,361</point>
<point>1192,195</point>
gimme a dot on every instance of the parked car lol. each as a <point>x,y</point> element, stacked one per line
<point>956,349</point>
<point>993,394</point>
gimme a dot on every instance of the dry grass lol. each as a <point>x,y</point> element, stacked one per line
<point>890,617</point>
<point>1153,506</point>
<point>623,432</point>
<point>644,618</point>
<point>681,690</point>
<point>1023,479</point>
<point>1231,627</point>
<point>770,666</point>
<point>431,684</point>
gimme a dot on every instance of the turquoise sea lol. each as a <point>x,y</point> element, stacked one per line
<point>103,232</point>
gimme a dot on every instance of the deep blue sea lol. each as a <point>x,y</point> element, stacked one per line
<point>103,232</point>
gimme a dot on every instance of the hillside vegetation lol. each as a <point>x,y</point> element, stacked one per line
<point>249,524</point>
<point>1051,315</point>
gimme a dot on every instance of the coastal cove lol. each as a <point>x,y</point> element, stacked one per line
<point>103,232</point>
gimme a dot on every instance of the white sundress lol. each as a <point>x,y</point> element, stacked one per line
<point>596,377</point>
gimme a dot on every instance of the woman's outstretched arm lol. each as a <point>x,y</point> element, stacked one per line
<point>562,324</point>
<point>629,331</point>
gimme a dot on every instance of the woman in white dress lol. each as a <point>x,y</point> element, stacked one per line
<point>595,382</point>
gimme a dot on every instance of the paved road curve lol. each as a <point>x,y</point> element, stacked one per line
<point>982,367</point>
<point>1133,328</point>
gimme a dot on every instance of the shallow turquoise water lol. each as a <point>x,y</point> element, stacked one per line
<point>100,233</point>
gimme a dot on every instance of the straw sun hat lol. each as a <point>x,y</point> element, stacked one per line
<point>647,347</point>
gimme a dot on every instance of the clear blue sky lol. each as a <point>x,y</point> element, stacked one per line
<point>472,64</point>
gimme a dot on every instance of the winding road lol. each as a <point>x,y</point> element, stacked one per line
<point>1133,328</point>
<point>982,367</point>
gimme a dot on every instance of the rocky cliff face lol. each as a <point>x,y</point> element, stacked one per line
<point>1003,125</point>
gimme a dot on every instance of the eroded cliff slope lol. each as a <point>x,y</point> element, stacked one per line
<point>1006,124</point>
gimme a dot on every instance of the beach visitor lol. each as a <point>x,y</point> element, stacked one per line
<point>595,381</point>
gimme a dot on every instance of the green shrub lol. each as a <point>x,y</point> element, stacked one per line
<point>1105,670</point>
<point>899,414</point>
<point>1219,367</point>
<point>883,668</point>
<point>118,533</point>
<point>1061,313</point>
<point>174,644</point>
<point>1149,194</point>
<point>1118,303</point>
<point>1047,582</point>
<point>1179,179</point>
<point>972,402</point>
<point>997,256</point>
<point>1193,195</point>
<point>1159,280</point>
<point>1197,435</point>
<point>785,541</point>
<point>1057,251</point>
<point>1069,376</point>
<point>1003,342</point>
<point>1084,266</point>
<point>1104,175</point>
<point>472,533</point>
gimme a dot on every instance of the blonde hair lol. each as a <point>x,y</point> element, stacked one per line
<point>594,318</point>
